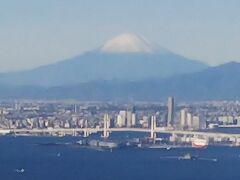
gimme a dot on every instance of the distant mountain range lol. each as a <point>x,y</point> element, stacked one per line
<point>127,67</point>
<point>126,57</point>
<point>222,82</point>
<point>214,83</point>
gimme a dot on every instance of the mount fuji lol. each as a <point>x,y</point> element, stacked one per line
<point>128,43</point>
<point>127,57</point>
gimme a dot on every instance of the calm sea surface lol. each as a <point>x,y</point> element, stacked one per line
<point>44,163</point>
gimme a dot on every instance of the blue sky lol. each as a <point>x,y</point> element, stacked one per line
<point>34,32</point>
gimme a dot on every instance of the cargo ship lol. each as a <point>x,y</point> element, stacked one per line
<point>98,144</point>
<point>199,143</point>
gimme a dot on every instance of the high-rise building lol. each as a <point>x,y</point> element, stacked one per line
<point>170,115</point>
<point>119,122</point>
<point>189,120</point>
<point>129,118</point>
<point>183,118</point>
<point>121,119</point>
<point>133,119</point>
<point>2,115</point>
<point>123,114</point>
<point>75,108</point>
<point>195,122</point>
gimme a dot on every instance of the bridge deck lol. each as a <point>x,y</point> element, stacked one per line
<point>147,130</point>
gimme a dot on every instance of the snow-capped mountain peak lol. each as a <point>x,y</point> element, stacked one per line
<point>127,43</point>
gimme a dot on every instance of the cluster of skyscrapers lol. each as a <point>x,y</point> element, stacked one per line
<point>183,120</point>
<point>188,120</point>
<point>126,118</point>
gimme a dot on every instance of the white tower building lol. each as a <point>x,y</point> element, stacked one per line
<point>133,119</point>
<point>123,115</point>
<point>129,118</point>
<point>189,120</point>
<point>119,121</point>
<point>183,118</point>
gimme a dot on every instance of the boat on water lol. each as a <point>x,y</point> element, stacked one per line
<point>190,157</point>
<point>199,143</point>
<point>187,156</point>
<point>20,170</point>
<point>108,144</point>
<point>160,147</point>
<point>98,144</point>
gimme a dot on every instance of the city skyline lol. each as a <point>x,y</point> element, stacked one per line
<point>62,118</point>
